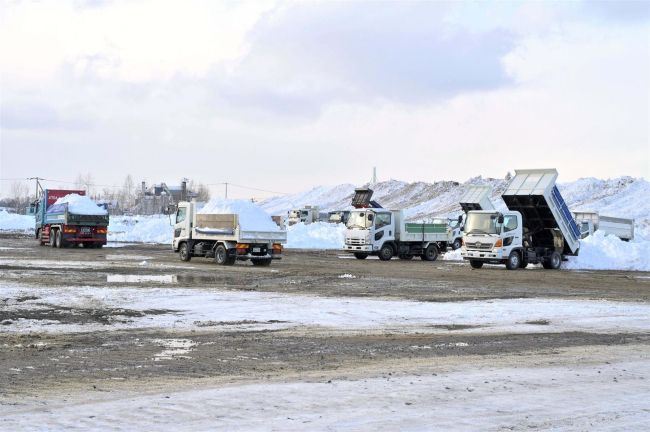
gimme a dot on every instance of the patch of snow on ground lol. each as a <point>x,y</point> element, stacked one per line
<point>452,255</point>
<point>81,204</point>
<point>190,306</point>
<point>251,216</point>
<point>317,235</point>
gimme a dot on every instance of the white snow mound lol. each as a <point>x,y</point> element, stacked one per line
<point>15,222</point>
<point>251,216</point>
<point>82,205</point>
<point>141,229</point>
<point>317,235</point>
<point>608,252</point>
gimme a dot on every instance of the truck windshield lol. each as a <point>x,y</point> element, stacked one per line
<point>359,220</point>
<point>481,223</point>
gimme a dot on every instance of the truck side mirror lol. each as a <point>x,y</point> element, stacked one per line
<point>500,219</point>
<point>370,218</point>
<point>460,219</point>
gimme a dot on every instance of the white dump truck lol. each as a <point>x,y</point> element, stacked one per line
<point>222,237</point>
<point>372,230</point>
<point>476,197</point>
<point>306,215</point>
<point>590,222</point>
<point>537,228</point>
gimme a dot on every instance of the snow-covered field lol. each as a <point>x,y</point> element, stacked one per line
<point>274,310</point>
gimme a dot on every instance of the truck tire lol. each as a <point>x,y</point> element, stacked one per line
<point>221,256</point>
<point>475,264</point>
<point>514,261</point>
<point>58,241</point>
<point>456,244</point>
<point>553,262</point>
<point>261,262</point>
<point>430,253</point>
<point>52,238</point>
<point>386,252</point>
<point>360,255</point>
<point>184,252</point>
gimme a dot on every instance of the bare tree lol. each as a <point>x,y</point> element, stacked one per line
<point>85,182</point>
<point>19,195</point>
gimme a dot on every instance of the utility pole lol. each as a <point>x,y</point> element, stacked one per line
<point>38,186</point>
<point>226,183</point>
<point>374,175</point>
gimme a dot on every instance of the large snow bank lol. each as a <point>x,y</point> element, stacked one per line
<point>251,216</point>
<point>318,235</point>
<point>608,252</point>
<point>15,222</point>
<point>144,229</point>
<point>80,204</point>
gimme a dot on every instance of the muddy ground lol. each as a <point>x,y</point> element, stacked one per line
<point>39,365</point>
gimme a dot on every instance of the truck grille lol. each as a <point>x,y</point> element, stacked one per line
<point>355,241</point>
<point>479,246</point>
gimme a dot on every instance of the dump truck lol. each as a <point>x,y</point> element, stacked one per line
<point>590,222</point>
<point>222,238</point>
<point>338,216</point>
<point>476,197</point>
<point>373,230</point>
<point>62,225</point>
<point>538,227</point>
<point>306,215</point>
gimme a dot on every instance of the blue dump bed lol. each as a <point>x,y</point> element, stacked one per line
<point>58,213</point>
<point>534,194</point>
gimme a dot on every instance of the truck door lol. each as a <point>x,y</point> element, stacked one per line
<point>384,228</point>
<point>182,225</point>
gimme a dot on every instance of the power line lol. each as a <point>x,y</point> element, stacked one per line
<point>247,187</point>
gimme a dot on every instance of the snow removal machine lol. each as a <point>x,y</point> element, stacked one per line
<point>538,227</point>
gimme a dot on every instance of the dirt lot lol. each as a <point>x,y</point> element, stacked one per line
<point>40,365</point>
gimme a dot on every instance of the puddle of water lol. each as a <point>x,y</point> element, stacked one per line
<point>141,278</point>
<point>174,348</point>
<point>4,248</point>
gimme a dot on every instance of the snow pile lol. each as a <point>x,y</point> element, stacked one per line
<point>251,216</point>
<point>80,204</point>
<point>15,222</point>
<point>452,255</point>
<point>318,235</point>
<point>144,229</point>
<point>608,252</point>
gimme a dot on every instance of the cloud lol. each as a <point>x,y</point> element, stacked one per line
<point>36,115</point>
<point>309,55</point>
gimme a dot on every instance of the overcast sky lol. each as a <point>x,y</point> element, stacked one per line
<point>284,96</point>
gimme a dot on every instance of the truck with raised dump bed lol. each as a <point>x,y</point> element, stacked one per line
<point>373,230</point>
<point>68,218</point>
<point>476,197</point>
<point>590,222</point>
<point>538,227</point>
<point>227,231</point>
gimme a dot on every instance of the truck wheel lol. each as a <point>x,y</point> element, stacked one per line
<point>456,244</point>
<point>58,242</point>
<point>406,257</point>
<point>386,253</point>
<point>430,253</point>
<point>514,261</point>
<point>360,255</point>
<point>261,262</point>
<point>553,262</point>
<point>221,256</point>
<point>184,252</point>
<point>476,264</point>
<point>52,238</point>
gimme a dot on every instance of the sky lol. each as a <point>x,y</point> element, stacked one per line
<point>283,96</point>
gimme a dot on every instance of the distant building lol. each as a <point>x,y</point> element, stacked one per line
<point>157,198</point>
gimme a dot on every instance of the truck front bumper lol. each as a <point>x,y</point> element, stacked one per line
<point>484,255</point>
<point>358,248</point>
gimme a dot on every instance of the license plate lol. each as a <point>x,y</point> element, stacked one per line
<point>258,250</point>
<point>85,230</point>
